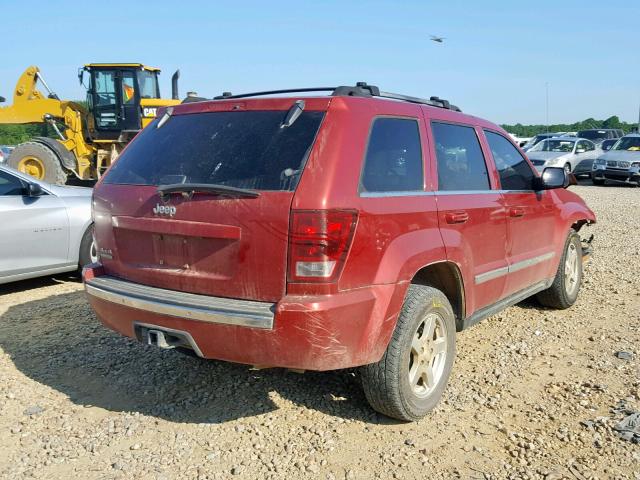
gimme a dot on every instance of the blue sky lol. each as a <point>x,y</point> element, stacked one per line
<point>494,63</point>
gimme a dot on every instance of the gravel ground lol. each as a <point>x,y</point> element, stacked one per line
<point>533,393</point>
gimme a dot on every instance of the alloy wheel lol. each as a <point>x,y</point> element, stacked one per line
<point>428,355</point>
<point>571,270</point>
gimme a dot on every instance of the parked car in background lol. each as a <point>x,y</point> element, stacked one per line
<point>520,141</point>
<point>46,229</point>
<point>575,155</point>
<point>621,163</point>
<point>5,151</point>
<point>598,135</point>
<point>256,230</point>
<point>537,139</point>
<point>570,134</point>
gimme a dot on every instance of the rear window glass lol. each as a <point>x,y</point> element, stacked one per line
<point>593,134</point>
<point>246,149</point>
<point>394,157</point>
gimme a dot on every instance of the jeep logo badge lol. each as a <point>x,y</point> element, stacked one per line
<point>164,210</point>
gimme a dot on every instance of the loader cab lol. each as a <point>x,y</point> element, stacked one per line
<point>115,93</point>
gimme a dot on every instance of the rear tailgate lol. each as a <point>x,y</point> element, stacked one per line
<point>202,242</point>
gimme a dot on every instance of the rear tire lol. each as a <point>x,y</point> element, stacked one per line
<point>88,253</point>
<point>563,292</point>
<point>408,381</point>
<point>39,161</point>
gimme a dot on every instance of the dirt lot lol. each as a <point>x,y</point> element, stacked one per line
<point>78,401</point>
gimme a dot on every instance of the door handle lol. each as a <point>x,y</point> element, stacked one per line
<point>456,217</point>
<point>516,212</point>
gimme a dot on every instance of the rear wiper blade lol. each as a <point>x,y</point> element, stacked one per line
<point>188,189</point>
<point>292,115</point>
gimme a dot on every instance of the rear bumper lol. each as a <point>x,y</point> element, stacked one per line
<point>214,310</point>
<point>323,332</point>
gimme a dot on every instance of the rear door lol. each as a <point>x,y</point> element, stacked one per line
<point>530,217</point>
<point>35,230</point>
<point>222,244</point>
<point>471,214</point>
<point>586,154</point>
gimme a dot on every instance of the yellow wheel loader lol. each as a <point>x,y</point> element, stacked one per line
<point>122,98</point>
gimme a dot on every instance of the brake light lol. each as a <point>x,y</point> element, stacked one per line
<point>319,241</point>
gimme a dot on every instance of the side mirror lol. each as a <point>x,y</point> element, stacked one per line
<point>2,99</point>
<point>34,190</point>
<point>554,177</point>
<point>607,147</point>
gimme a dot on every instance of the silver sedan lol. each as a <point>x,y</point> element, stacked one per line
<point>46,229</point>
<point>576,155</point>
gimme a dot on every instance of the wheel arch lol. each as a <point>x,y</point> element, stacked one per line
<point>64,156</point>
<point>446,277</point>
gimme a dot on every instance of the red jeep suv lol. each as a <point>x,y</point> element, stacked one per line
<point>361,228</point>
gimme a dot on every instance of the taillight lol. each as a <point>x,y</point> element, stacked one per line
<point>319,241</point>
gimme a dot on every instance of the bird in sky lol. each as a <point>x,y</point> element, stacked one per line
<point>437,39</point>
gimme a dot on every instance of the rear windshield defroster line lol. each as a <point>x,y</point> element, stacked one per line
<point>245,150</point>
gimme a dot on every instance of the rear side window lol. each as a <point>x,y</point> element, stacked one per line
<point>394,157</point>
<point>247,149</point>
<point>461,164</point>
<point>515,172</point>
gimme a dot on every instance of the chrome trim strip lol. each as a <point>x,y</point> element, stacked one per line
<point>468,192</point>
<point>190,306</point>
<point>530,262</point>
<point>396,194</point>
<point>403,193</point>
<point>499,272</point>
<point>480,192</point>
<point>491,274</point>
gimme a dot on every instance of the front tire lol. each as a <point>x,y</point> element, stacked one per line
<point>410,378</point>
<point>563,292</point>
<point>39,161</point>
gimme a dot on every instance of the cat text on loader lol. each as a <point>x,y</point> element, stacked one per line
<point>122,98</point>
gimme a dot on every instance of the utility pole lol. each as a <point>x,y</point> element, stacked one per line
<point>546,85</point>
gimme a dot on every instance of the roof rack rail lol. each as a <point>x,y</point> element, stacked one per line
<point>361,89</point>
<point>229,95</point>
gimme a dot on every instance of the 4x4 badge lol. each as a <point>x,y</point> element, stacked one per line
<point>164,210</point>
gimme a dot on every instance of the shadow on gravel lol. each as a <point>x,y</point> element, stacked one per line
<point>38,282</point>
<point>58,342</point>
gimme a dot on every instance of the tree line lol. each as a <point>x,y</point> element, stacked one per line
<point>530,130</point>
<point>15,134</point>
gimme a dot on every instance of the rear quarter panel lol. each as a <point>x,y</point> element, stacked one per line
<point>396,234</point>
<point>79,213</point>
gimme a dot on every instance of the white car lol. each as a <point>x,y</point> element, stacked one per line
<point>46,229</point>
<point>5,151</point>
<point>576,155</point>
